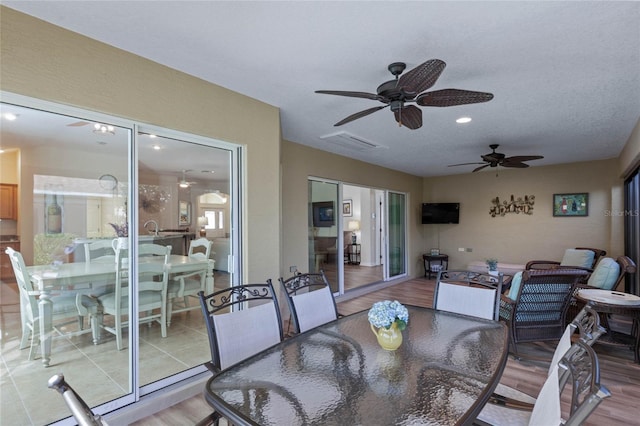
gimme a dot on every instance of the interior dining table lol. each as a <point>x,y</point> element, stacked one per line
<point>443,373</point>
<point>84,276</point>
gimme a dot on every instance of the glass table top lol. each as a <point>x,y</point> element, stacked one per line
<point>337,374</point>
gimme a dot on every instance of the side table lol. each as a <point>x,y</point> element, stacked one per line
<point>442,259</point>
<point>615,302</point>
<point>353,253</point>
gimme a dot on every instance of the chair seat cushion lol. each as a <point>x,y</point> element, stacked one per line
<point>144,298</point>
<point>605,275</point>
<point>515,286</point>
<point>63,305</point>
<point>190,285</point>
<point>575,257</point>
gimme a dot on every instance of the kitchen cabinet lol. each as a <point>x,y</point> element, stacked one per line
<point>6,270</point>
<point>8,201</point>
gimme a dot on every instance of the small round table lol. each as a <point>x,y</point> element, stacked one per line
<point>442,259</point>
<point>616,302</point>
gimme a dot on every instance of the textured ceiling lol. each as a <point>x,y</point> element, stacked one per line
<point>565,75</point>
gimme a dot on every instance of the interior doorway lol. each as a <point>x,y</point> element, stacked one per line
<point>364,235</point>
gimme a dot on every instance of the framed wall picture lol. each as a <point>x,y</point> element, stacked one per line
<point>347,208</point>
<point>571,205</point>
<point>184,213</point>
<point>323,214</point>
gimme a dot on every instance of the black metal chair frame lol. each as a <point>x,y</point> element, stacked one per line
<point>300,283</point>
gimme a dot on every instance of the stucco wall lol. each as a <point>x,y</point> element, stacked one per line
<point>299,162</point>
<point>47,62</point>
<point>517,238</point>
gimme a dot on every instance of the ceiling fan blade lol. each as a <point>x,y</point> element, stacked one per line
<point>480,168</point>
<point>78,124</point>
<point>359,115</point>
<point>364,95</point>
<point>515,165</point>
<point>521,158</point>
<point>422,77</point>
<point>462,164</point>
<point>409,117</point>
<point>452,97</point>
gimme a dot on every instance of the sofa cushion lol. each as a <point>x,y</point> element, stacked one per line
<point>515,286</point>
<point>605,275</point>
<point>581,258</point>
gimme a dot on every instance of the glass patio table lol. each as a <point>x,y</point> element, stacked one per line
<point>443,373</point>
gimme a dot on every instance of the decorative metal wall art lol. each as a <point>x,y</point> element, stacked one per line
<point>518,205</point>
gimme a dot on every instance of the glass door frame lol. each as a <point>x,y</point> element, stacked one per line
<point>136,391</point>
<point>385,252</point>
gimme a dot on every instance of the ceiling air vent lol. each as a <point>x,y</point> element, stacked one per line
<point>347,140</point>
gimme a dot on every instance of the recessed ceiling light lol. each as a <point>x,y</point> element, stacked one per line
<point>463,120</point>
<point>152,136</point>
<point>104,129</point>
<point>9,116</point>
<point>1,150</point>
<point>156,147</point>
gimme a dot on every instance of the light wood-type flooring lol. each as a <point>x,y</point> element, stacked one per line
<point>618,371</point>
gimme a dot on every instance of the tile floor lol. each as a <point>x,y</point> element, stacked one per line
<point>100,371</point>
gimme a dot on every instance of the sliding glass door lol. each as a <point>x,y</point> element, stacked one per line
<point>325,252</point>
<point>355,233</point>
<point>81,181</point>
<point>396,234</point>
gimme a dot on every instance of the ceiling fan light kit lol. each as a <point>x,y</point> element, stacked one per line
<point>409,88</point>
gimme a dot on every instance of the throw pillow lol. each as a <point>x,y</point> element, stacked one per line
<point>515,286</point>
<point>605,275</point>
<point>581,258</point>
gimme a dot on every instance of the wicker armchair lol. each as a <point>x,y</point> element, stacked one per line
<point>627,266</point>
<point>552,264</point>
<point>539,309</point>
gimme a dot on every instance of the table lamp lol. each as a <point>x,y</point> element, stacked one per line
<point>202,222</point>
<point>353,225</point>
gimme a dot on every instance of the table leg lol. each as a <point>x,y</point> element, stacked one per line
<point>45,310</point>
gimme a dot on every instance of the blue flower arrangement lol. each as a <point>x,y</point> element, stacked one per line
<point>385,313</point>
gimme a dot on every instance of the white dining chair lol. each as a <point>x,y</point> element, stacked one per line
<point>152,291</point>
<point>186,286</point>
<point>99,251</point>
<point>66,308</point>
<point>579,366</point>
<point>310,300</point>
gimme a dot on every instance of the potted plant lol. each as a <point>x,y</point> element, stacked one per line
<point>492,264</point>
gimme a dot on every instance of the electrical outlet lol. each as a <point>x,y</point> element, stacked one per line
<point>293,268</point>
<point>461,249</point>
<point>469,250</point>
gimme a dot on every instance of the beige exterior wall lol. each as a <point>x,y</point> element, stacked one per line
<point>518,238</point>
<point>300,162</point>
<point>47,62</point>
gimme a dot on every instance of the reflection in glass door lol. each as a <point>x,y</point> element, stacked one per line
<point>79,202</point>
<point>184,194</point>
<point>396,226</point>
<point>324,219</point>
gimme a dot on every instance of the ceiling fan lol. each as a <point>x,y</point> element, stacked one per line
<point>409,88</point>
<point>183,183</point>
<point>495,159</point>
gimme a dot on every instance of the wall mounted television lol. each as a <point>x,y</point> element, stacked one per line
<point>323,214</point>
<point>440,213</point>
